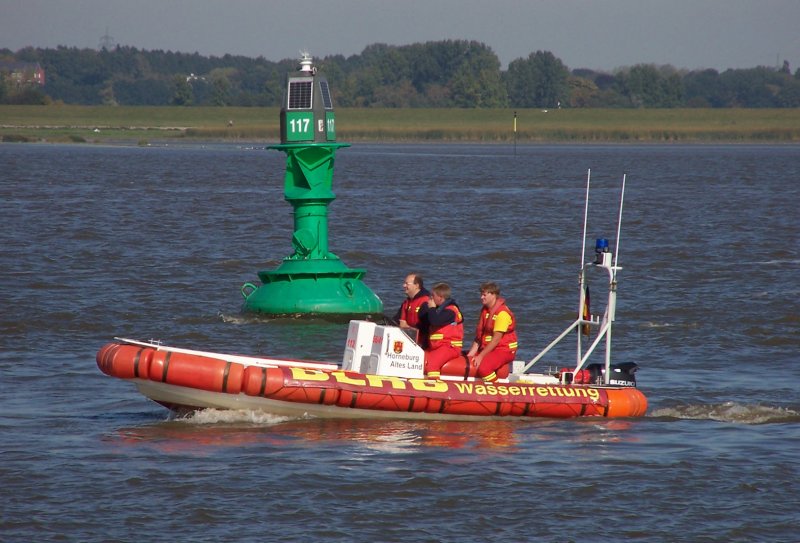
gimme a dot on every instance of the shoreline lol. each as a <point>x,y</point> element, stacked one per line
<point>144,125</point>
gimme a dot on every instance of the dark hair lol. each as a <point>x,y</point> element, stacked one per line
<point>417,279</point>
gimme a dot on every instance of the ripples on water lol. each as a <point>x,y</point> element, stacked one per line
<point>99,242</point>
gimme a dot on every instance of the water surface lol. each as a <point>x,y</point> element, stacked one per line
<point>155,242</point>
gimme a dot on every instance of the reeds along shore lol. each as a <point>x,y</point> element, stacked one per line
<point>142,124</point>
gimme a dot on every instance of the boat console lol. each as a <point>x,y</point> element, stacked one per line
<point>377,349</point>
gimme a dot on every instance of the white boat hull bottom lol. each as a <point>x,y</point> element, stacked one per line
<point>184,399</point>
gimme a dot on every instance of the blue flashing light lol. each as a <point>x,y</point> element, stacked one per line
<point>601,246</point>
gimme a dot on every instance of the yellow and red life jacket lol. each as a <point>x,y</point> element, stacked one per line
<point>485,329</point>
<point>409,310</point>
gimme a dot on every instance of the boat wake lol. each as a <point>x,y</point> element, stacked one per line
<point>226,416</point>
<point>241,318</point>
<point>729,412</point>
<point>651,324</point>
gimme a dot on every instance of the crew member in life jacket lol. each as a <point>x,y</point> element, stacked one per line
<point>495,342</point>
<point>445,326</point>
<point>408,314</point>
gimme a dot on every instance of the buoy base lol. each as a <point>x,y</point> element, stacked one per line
<point>311,287</point>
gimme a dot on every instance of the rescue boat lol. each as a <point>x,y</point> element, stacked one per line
<point>381,374</point>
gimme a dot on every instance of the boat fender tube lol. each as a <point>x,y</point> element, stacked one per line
<point>626,402</point>
<point>125,361</point>
<point>277,384</point>
<point>459,367</point>
<point>384,401</point>
<point>195,371</point>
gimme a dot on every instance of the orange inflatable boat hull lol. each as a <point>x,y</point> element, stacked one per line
<point>344,390</point>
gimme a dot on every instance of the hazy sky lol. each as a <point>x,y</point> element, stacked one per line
<point>597,34</point>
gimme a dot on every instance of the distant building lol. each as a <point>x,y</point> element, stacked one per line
<point>22,74</point>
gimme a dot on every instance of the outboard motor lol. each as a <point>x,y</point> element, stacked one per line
<point>621,374</point>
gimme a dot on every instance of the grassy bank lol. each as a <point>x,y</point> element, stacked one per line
<point>148,124</point>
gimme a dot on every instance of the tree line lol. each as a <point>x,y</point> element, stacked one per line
<point>445,74</point>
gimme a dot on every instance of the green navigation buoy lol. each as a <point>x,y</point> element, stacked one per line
<point>312,280</point>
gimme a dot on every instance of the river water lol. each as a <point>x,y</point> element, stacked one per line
<point>155,243</point>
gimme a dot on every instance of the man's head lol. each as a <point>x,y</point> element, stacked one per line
<point>412,284</point>
<point>489,293</point>
<point>441,292</point>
